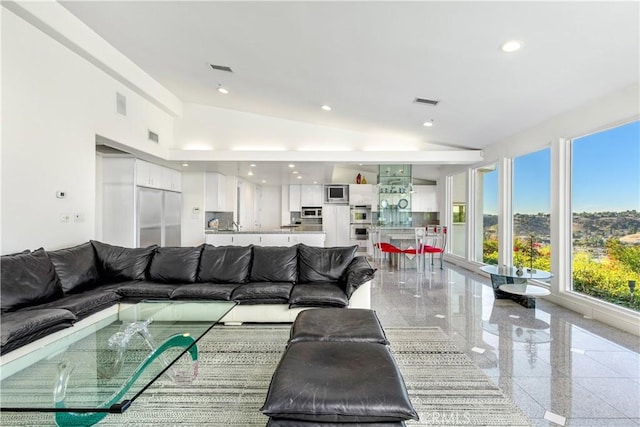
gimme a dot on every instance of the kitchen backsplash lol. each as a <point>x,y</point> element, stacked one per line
<point>225,220</point>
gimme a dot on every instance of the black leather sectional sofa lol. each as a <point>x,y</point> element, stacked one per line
<point>45,291</point>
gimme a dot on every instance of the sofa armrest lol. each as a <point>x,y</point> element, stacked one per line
<point>357,273</point>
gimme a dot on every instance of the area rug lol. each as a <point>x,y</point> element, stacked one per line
<point>236,364</point>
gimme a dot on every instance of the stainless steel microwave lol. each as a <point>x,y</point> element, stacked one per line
<point>311,212</point>
<point>337,193</point>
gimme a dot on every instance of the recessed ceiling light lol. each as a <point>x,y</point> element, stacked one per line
<point>250,173</point>
<point>222,90</point>
<point>295,172</point>
<point>511,46</point>
<point>315,182</point>
<point>428,124</point>
<point>292,166</point>
<point>264,181</point>
<point>326,108</point>
<point>253,165</point>
<point>299,176</point>
<point>185,164</point>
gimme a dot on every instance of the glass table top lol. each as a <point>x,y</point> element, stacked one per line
<point>509,271</point>
<point>105,366</point>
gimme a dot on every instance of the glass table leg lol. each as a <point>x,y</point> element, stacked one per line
<point>120,341</point>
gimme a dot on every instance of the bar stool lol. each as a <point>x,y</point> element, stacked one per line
<point>438,235</point>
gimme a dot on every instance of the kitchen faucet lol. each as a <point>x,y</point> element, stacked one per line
<point>235,224</point>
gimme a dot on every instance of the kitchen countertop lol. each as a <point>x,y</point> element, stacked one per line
<point>208,231</point>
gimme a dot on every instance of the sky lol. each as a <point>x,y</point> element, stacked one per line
<point>606,175</point>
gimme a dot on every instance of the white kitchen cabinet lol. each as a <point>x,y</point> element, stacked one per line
<point>244,239</point>
<point>275,240</point>
<point>148,174</point>
<point>265,239</point>
<point>221,239</point>
<point>336,224</point>
<point>361,194</point>
<point>171,179</point>
<point>294,198</point>
<point>424,198</point>
<point>215,192</point>
<point>309,239</point>
<point>156,176</point>
<point>311,195</point>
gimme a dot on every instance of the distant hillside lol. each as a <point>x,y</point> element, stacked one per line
<point>589,228</point>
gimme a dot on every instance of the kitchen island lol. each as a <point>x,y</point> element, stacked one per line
<point>264,238</point>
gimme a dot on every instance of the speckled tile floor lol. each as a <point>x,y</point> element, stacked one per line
<point>557,366</point>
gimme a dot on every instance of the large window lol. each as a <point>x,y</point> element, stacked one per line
<point>606,223</point>
<point>459,215</point>
<point>486,196</point>
<point>531,210</point>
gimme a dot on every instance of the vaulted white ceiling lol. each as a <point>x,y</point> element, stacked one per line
<point>370,60</point>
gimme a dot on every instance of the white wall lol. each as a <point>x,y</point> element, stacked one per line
<point>193,191</point>
<point>54,102</point>
<point>268,205</point>
<point>346,175</point>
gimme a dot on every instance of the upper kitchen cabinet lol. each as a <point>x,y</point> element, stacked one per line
<point>361,194</point>
<point>424,198</point>
<point>156,176</point>
<point>148,174</point>
<point>311,195</point>
<point>171,180</point>
<point>215,192</point>
<point>294,198</point>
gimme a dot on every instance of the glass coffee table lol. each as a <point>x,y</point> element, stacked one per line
<point>104,367</point>
<point>508,282</point>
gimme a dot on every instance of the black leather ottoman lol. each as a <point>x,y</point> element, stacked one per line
<point>338,382</point>
<point>279,422</point>
<point>338,324</point>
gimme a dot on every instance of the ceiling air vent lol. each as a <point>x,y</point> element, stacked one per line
<point>221,68</point>
<point>426,101</point>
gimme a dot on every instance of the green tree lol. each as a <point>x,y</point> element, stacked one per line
<point>625,254</point>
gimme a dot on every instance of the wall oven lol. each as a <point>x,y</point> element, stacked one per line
<point>361,215</point>
<point>359,232</point>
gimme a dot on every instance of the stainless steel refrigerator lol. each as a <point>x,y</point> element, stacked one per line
<point>158,217</point>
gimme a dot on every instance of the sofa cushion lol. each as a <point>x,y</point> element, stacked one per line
<point>274,264</point>
<point>205,291</point>
<point>225,264</point>
<point>175,265</point>
<point>117,264</point>
<point>338,382</point>
<point>76,267</point>
<point>323,264</point>
<point>25,326</point>
<point>27,279</point>
<point>262,293</point>
<point>325,294</point>
<point>142,290</point>
<point>338,324</point>
<point>357,273</point>
<point>84,304</point>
